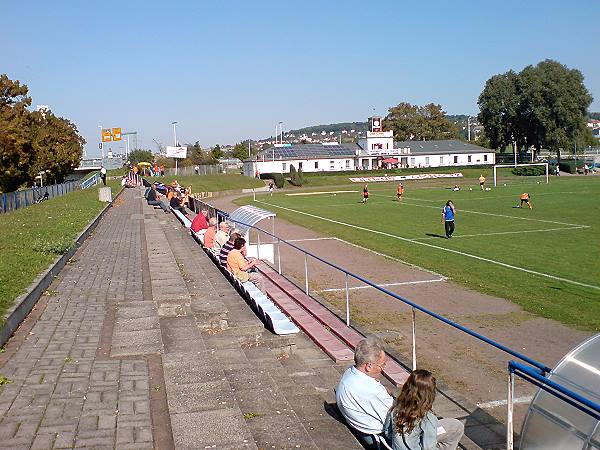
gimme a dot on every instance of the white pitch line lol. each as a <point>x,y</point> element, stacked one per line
<point>504,232</point>
<point>384,285</point>
<point>497,196</point>
<point>496,403</point>
<point>449,250</point>
<point>312,239</point>
<point>493,214</point>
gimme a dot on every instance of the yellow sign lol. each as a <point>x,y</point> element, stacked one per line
<point>106,135</point>
<point>116,134</point>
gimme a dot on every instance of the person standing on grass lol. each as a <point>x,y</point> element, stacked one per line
<point>365,194</point>
<point>448,218</point>
<point>103,175</point>
<point>400,192</point>
<point>525,198</point>
<point>481,182</point>
<point>271,186</point>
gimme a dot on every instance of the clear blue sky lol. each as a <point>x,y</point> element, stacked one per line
<point>229,70</point>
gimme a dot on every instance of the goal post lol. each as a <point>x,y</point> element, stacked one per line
<point>512,166</point>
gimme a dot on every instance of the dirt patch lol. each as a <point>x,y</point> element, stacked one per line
<point>473,368</point>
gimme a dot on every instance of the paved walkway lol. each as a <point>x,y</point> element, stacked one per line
<point>142,343</point>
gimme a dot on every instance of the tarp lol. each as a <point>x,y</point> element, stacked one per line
<point>390,161</point>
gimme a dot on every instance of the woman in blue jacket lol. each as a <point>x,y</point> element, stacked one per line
<point>411,424</point>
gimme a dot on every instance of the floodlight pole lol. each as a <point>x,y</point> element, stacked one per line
<point>175,142</point>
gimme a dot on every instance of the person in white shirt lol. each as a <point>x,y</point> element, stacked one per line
<point>103,175</point>
<point>221,237</point>
<point>361,398</point>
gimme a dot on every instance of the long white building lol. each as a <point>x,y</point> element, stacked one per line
<point>377,150</point>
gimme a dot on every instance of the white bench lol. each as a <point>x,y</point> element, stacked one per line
<point>187,223</point>
<point>267,311</point>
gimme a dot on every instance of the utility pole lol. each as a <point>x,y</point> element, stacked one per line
<point>469,128</point>
<point>175,143</point>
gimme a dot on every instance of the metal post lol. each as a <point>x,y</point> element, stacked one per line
<point>253,194</point>
<point>414,340</point>
<point>279,255</point>
<point>509,412</point>
<point>347,302</point>
<point>257,244</point>
<point>306,273</point>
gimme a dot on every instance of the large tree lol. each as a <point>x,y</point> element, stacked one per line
<point>139,155</point>
<point>413,122</point>
<point>16,153</point>
<point>544,106</point>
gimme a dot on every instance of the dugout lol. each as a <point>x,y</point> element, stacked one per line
<point>554,424</point>
<point>246,217</point>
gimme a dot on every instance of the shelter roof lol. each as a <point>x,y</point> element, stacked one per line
<point>248,215</point>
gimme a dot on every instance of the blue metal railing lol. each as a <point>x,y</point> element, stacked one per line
<point>91,181</point>
<point>439,317</point>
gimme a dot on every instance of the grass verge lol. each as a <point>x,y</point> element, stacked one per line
<point>32,238</point>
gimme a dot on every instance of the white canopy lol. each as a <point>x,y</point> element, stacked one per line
<point>249,216</point>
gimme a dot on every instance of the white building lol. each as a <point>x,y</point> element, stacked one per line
<point>377,150</point>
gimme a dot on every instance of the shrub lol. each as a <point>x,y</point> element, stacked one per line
<point>532,171</point>
<point>296,177</point>
<point>277,178</point>
<point>568,165</point>
<point>56,246</point>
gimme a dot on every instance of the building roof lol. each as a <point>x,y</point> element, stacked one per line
<point>440,147</point>
<point>308,151</point>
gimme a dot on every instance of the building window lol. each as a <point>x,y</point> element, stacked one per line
<point>412,161</point>
<point>347,164</point>
<point>485,158</point>
<point>456,160</point>
<point>441,160</point>
<point>316,164</point>
<point>427,160</point>
<point>469,158</point>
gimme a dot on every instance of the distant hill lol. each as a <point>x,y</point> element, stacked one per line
<point>335,127</point>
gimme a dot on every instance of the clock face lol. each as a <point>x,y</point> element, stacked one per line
<point>376,123</point>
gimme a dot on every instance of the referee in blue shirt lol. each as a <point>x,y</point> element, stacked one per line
<point>448,218</point>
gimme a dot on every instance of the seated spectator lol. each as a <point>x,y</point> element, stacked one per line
<point>227,247</point>
<point>176,203</point>
<point>361,398</point>
<point>209,235</point>
<point>200,222</point>
<point>240,266</point>
<point>221,237</point>
<point>411,425</point>
<point>153,199</point>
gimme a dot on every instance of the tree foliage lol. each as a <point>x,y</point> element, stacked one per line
<point>544,106</point>
<point>32,142</point>
<point>139,155</point>
<point>423,123</point>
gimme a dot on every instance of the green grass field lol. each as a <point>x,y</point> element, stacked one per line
<point>31,238</point>
<point>212,183</point>
<point>547,259</point>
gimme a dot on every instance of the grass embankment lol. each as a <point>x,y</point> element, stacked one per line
<point>31,238</point>
<point>212,183</point>
<point>496,248</point>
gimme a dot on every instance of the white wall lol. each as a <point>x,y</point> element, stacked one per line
<point>308,165</point>
<point>462,159</point>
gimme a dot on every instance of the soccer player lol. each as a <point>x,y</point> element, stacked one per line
<point>400,192</point>
<point>481,182</point>
<point>365,194</point>
<point>448,218</point>
<point>525,198</point>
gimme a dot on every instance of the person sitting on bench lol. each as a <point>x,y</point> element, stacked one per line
<point>240,267</point>
<point>153,199</point>
<point>361,398</point>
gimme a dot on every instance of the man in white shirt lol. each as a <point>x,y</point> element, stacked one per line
<point>103,175</point>
<point>361,398</point>
<point>221,237</point>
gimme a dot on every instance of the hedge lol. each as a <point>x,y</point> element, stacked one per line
<point>533,171</point>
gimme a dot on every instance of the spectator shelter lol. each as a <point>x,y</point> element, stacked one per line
<point>244,219</point>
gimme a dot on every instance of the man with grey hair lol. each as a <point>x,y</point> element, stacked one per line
<point>361,398</point>
<point>221,237</point>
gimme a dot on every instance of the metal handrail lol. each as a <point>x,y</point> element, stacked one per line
<point>539,379</point>
<point>470,332</point>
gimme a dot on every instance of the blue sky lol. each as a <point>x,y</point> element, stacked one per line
<point>229,70</point>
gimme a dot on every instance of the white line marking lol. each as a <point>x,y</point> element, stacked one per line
<point>320,192</point>
<point>406,263</point>
<point>384,285</point>
<point>493,214</point>
<point>496,403</point>
<point>449,250</point>
<point>504,232</point>
<point>312,239</point>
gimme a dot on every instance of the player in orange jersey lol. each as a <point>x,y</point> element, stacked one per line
<point>400,192</point>
<point>525,198</point>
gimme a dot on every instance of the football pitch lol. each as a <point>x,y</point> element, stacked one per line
<point>546,259</point>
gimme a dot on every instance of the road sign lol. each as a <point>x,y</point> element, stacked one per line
<point>106,135</point>
<point>116,134</point>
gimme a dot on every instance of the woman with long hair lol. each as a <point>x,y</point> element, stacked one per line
<point>411,424</point>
